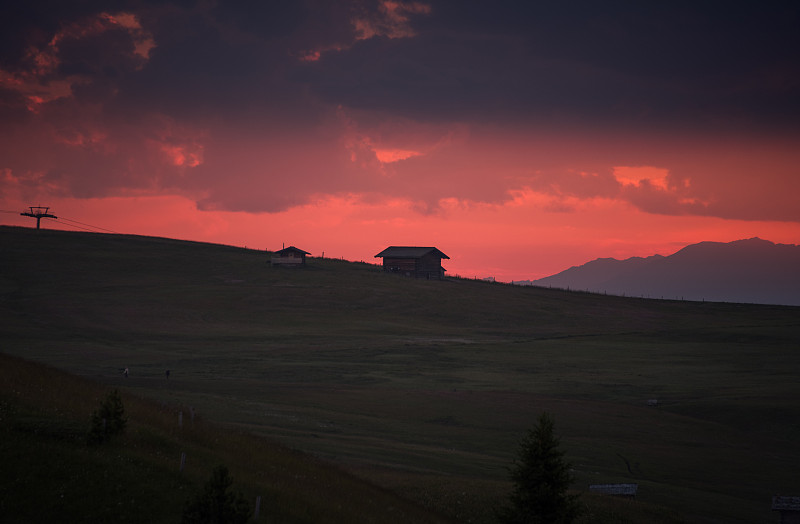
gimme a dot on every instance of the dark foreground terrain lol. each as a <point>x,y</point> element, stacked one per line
<point>422,388</point>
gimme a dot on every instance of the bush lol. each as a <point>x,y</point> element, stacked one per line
<point>108,420</point>
<point>541,479</point>
<point>217,505</point>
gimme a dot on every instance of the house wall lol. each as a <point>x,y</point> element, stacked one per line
<point>400,265</point>
<point>431,263</point>
<point>425,267</point>
<point>289,259</point>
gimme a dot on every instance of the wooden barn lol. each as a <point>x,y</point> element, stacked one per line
<point>289,256</point>
<point>418,262</point>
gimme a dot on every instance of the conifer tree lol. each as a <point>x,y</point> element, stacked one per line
<point>541,478</point>
<point>108,420</point>
<point>216,504</point>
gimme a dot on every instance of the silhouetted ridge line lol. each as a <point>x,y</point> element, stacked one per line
<point>748,271</point>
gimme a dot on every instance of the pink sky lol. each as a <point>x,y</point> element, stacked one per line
<point>519,142</point>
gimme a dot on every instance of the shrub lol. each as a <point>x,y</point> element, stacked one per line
<point>217,505</point>
<point>108,420</point>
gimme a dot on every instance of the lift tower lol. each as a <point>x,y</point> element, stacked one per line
<point>38,212</point>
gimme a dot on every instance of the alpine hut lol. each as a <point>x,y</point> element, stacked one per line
<point>418,262</point>
<point>289,256</point>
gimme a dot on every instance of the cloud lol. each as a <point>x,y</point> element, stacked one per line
<point>393,20</point>
<point>641,175</point>
<point>81,56</point>
<point>586,65</point>
<point>387,156</point>
<point>264,106</point>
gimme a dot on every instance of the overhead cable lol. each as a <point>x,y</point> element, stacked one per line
<point>87,225</point>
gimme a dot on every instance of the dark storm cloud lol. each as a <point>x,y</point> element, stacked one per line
<point>258,106</point>
<point>588,61</point>
<point>580,62</point>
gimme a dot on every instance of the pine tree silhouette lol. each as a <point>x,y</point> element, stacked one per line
<point>541,478</point>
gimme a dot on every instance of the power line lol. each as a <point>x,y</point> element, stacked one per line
<point>79,227</point>
<point>88,225</point>
<point>39,212</point>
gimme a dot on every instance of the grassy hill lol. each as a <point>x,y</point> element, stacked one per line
<point>422,388</point>
<point>50,474</point>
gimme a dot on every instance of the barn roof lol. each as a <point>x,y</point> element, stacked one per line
<point>410,252</point>
<point>291,249</point>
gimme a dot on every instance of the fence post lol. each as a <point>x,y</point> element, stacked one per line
<point>183,460</point>
<point>258,507</point>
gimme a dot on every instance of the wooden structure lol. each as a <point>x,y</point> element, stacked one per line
<point>289,256</point>
<point>418,262</point>
<point>789,508</point>
<point>618,490</point>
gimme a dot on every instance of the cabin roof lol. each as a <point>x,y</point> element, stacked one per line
<point>291,249</point>
<point>410,252</point>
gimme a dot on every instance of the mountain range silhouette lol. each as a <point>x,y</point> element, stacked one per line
<point>748,271</point>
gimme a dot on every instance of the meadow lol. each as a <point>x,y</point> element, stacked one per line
<point>424,388</point>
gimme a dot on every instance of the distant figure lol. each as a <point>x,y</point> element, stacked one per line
<point>167,374</point>
<point>125,372</point>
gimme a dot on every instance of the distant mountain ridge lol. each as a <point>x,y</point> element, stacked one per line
<point>748,271</point>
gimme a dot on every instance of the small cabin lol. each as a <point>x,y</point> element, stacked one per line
<point>289,256</point>
<point>789,508</point>
<point>417,262</point>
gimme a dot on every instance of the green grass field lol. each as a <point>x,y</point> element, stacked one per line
<point>52,475</point>
<point>422,387</point>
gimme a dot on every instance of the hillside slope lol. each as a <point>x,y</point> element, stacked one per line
<point>51,474</point>
<point>424,387</point>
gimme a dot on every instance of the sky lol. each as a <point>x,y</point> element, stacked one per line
<point>519,138</point>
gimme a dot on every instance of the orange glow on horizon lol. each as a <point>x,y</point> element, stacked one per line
<point>517,240</point>
<point>398,122</point>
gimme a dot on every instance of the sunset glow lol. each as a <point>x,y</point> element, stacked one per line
<point>636,176</point>
<point>519,142</point>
